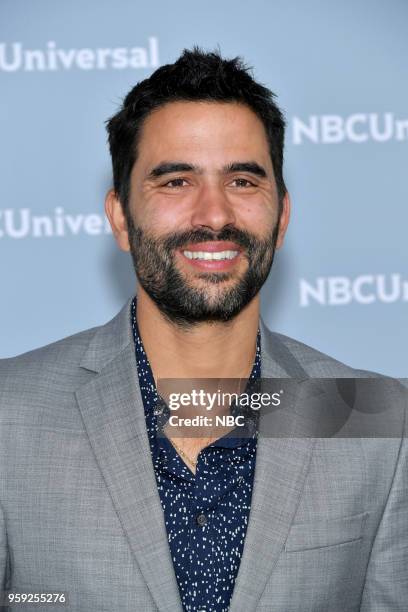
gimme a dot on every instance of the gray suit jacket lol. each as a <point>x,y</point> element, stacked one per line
<point>80,511</point>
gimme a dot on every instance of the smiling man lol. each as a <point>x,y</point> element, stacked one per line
<point>99,498</point>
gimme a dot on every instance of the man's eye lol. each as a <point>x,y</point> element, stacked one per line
<point>243,182</point>
<point>177,182</point>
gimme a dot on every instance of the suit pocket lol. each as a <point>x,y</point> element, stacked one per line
<point>323,533</point>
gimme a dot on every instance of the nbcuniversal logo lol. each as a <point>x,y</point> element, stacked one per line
<point>14,57</point>
<point>357,128</point>
<point>21,223</point>
<point>364,289</point>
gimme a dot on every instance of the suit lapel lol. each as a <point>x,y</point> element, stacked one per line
<point>280,472</point>
<point>113,414</point>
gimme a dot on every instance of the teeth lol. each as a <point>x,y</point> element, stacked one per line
<point>210,256</point>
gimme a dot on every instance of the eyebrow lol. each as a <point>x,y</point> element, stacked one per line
<point>170,167</point>
<point>250,166</point>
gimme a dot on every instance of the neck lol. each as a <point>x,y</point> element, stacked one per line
<point>206,350</point>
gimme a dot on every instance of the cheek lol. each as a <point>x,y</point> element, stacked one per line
<point>257,219</point>
<point>151,219</point>
<point>163,217</point>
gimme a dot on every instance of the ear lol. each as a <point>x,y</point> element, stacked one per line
<point>284,220</point>
<point>117,220</point>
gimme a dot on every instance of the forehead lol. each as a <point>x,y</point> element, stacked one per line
<point>199,129</point>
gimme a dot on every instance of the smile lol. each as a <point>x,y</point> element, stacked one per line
<point>212,256</point>
<point>208,256</point>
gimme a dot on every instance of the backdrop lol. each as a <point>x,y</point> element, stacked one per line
<point>339,284</point>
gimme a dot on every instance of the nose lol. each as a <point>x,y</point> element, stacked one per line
<point>212,208</point>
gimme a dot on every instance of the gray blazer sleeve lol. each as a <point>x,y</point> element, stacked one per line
<point>386,585</point>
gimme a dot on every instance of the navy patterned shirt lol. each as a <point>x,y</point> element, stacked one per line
<point>206,513</point>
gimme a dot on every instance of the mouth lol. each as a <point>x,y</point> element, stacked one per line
<point>212,256</point>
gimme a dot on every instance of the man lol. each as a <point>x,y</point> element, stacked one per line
<point>94,502</point>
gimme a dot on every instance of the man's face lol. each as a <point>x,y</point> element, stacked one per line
<point>203,210</point>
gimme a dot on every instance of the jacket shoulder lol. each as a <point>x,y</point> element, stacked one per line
<point>62,366</point>
<point>38,386</point>
<point>46,373</point>
<point>66,351</point>
<point>64,356</point>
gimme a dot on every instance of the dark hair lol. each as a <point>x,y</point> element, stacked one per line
<point>195,76</point>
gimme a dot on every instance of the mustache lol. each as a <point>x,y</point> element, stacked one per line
<point>240,237</point>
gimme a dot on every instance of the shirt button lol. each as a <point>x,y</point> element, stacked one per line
<point>201,519</point>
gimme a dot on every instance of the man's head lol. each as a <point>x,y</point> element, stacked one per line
<point>197,153</point>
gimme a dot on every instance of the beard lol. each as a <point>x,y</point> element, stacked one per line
<point>184,304</point>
